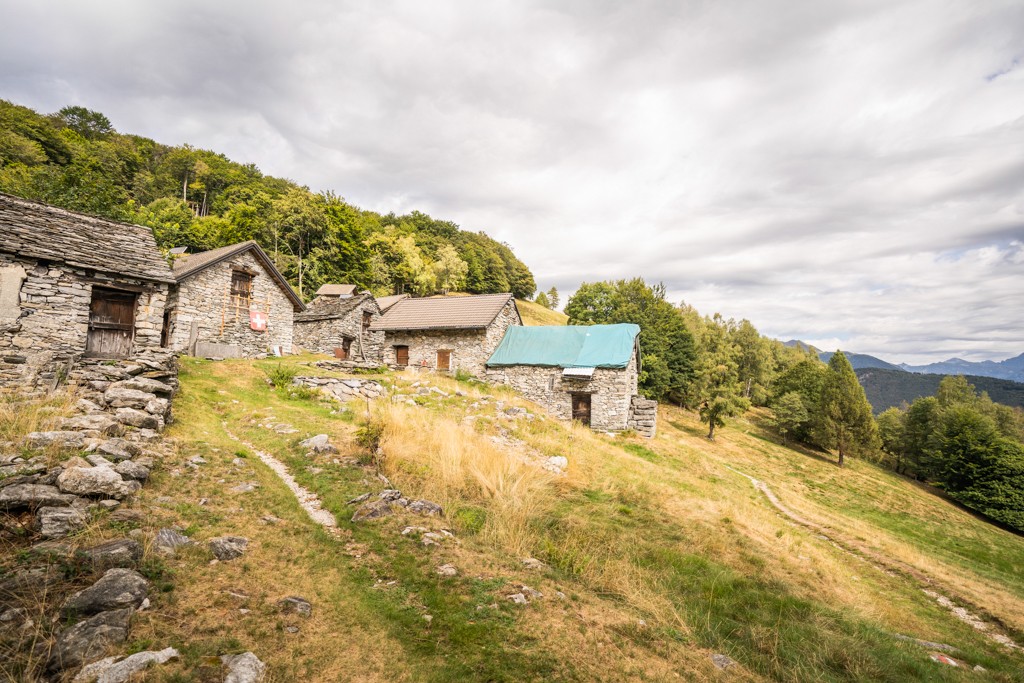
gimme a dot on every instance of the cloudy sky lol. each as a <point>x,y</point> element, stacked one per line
<point>847,173</point>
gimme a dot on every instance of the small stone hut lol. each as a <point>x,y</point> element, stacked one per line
<point>340,325</point>
<point>446,333</point>
<point>581,372</point>
<point>72,286</point>
<point>333,292</point>
<point>231,302</point>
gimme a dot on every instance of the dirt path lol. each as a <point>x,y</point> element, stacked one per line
<point>307,499</point>
<point>888,565</point>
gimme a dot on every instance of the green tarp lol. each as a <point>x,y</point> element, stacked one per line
<point>569,346</point>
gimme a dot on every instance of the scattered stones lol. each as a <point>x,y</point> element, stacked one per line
<point>519,599</point>
<point>721,661</point>
<point>167,541</point>
<point>244,487</point>
<point>447,570</point>
<point>123,552</point>
<point>243,668</point>
<point>88,640</point>
<point>531,593</point>
<point>226,548</point>
<point>319,444</point>
<point>116,589</point>
<point>430,538</point>
<point>374,509</point>
<point>54,522</point>
<point>424,507</point>
<point>95,481</point>
<point>297,605</point>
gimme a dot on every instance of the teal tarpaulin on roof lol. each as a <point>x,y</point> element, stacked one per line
<point>569,346</point>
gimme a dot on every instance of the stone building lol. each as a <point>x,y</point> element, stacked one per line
<point>386,302</point>
<point>231,302</point>
<point>580,372</point>
<point>332,292</point>
<point>446,333</point>
<point>340,325</point>
<point>74,286</point>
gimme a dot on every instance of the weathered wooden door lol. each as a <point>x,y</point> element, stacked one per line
<point>342,352</point>
<point>401,355</point>
<point>444,359</point>
<point>581,408</point>
<point>111,323</point>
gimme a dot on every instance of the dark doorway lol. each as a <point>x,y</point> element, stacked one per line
<point>402,355</point>
<point>444,359</point>
<point>581,408</point>
<point>111,323</point>
<point>342,352</point>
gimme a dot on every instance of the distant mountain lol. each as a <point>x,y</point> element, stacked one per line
<point>861,361</point>
<point>886,388</point>
<point>1011,368</point>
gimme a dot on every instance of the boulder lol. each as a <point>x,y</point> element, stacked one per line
<point>243,668</point>
<point>33,496</point>
<point>129,469</point>
<point>424,507</point>
<point>54,522</point>
<point>374,509</point>
<point>228,547</point>
<point>119,397</point>
<point>110,670</point>
<point>96,422</point>
<point>62,440</point>
<point>124,552</point>
<point>138,418</point>
<point>319,444</point>
<point>94,481</point>
<point>88,640</point>
<point>168,541</point>
<point>116,589</point>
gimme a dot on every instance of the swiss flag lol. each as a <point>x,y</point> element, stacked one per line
<point>258,321</point>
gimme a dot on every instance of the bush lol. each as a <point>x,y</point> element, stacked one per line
<point>470,520</point>
<point>281,376</point>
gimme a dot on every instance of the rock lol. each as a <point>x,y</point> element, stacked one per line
<point>430,538</point>
<point>98,461</point>
<point>513,411</point>
<point>244,487</point>
<point>123,552</point>
<point>518,598</point>
<point>132,470</point>
<point>117,396</point>
<point>116,589</point>
<point>531,593</point>
<point>125,516</point>
<point>390,494</point>
<point>721,661</point>
<point>296,604</point>
<point>88,640</point>
<point>374,509</point>
<point>138,418</point>
<point>319,444</point>
<point>62,440</point>
<point>424,507</point>
<point>33,496</point>
<point>358,499</point>
<point>532,563</point>
<point>75,462</point>
<point>94,481</point>
<point>168,541</point>
<point>556,463</point>
<point>84,405</point>
<point>97,422</point>
<point>447,570</point>
<point>118,449</point>
<point>110,670</point>
<point>54,522</point>
<point>228,547</point>
<point>109,504</point>
<point>149,386</point>
<point>158,406</point>
<point>943,659</point>
<point>243,668</point>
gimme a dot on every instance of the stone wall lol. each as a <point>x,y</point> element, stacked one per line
<point>643,416</point>
<point>612,391</point>
<point>470,348</point>
<point>323,336</point>
<point>203,301</point>
<point>343,389</point>
<point>44,317</point>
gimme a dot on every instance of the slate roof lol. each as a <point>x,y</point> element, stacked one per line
<point>190,264</point>
<point>567,346</point>
<point>332,308</point>
<point>443,313</point>
<point>386,302</point>
<point>40,231</point>
<point>336,290</point>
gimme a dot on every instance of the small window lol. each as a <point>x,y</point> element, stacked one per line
<point>241,290</point>
<point>402,355</point>
<point>367,319</point>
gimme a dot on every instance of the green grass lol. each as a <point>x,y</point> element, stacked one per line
<point>535,314</point>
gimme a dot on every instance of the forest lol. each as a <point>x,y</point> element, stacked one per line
<point>202,200</point>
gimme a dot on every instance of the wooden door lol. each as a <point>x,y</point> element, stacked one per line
<point>111,323</point>
<point>342,352</point>
<point>581,408</point>
<point>402,355</point>
<point>444,359</point>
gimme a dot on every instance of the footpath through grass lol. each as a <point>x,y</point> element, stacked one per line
<point>656,556</point>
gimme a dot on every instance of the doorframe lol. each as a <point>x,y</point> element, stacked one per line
<point>590,406</point>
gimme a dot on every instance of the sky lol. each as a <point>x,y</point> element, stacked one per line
<point>848,173</point>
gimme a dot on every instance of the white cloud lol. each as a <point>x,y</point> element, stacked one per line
<point>848,173</point>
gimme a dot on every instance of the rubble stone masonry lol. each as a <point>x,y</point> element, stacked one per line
<point>323,336</point>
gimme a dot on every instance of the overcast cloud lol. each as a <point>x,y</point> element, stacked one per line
<point>847,173</point>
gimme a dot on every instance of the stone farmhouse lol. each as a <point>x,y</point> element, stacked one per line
<point>580,372</point>
<point>231,302</point>
<point>74,286</point>
<point>446,333</point>
<point>386,302</point>
<point>340,325</point>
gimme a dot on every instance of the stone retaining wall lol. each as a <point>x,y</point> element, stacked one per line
<point>343,389</point>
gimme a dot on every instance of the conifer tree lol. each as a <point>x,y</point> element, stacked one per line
<point>844,419</point>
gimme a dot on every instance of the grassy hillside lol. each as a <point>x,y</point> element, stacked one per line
<point>535,314</point>
<point>657,553</point>
<point>888,388</point>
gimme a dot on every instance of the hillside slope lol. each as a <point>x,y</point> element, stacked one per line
<point>656,554</point>
<point>534,314</point>
<point>887,388</point>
